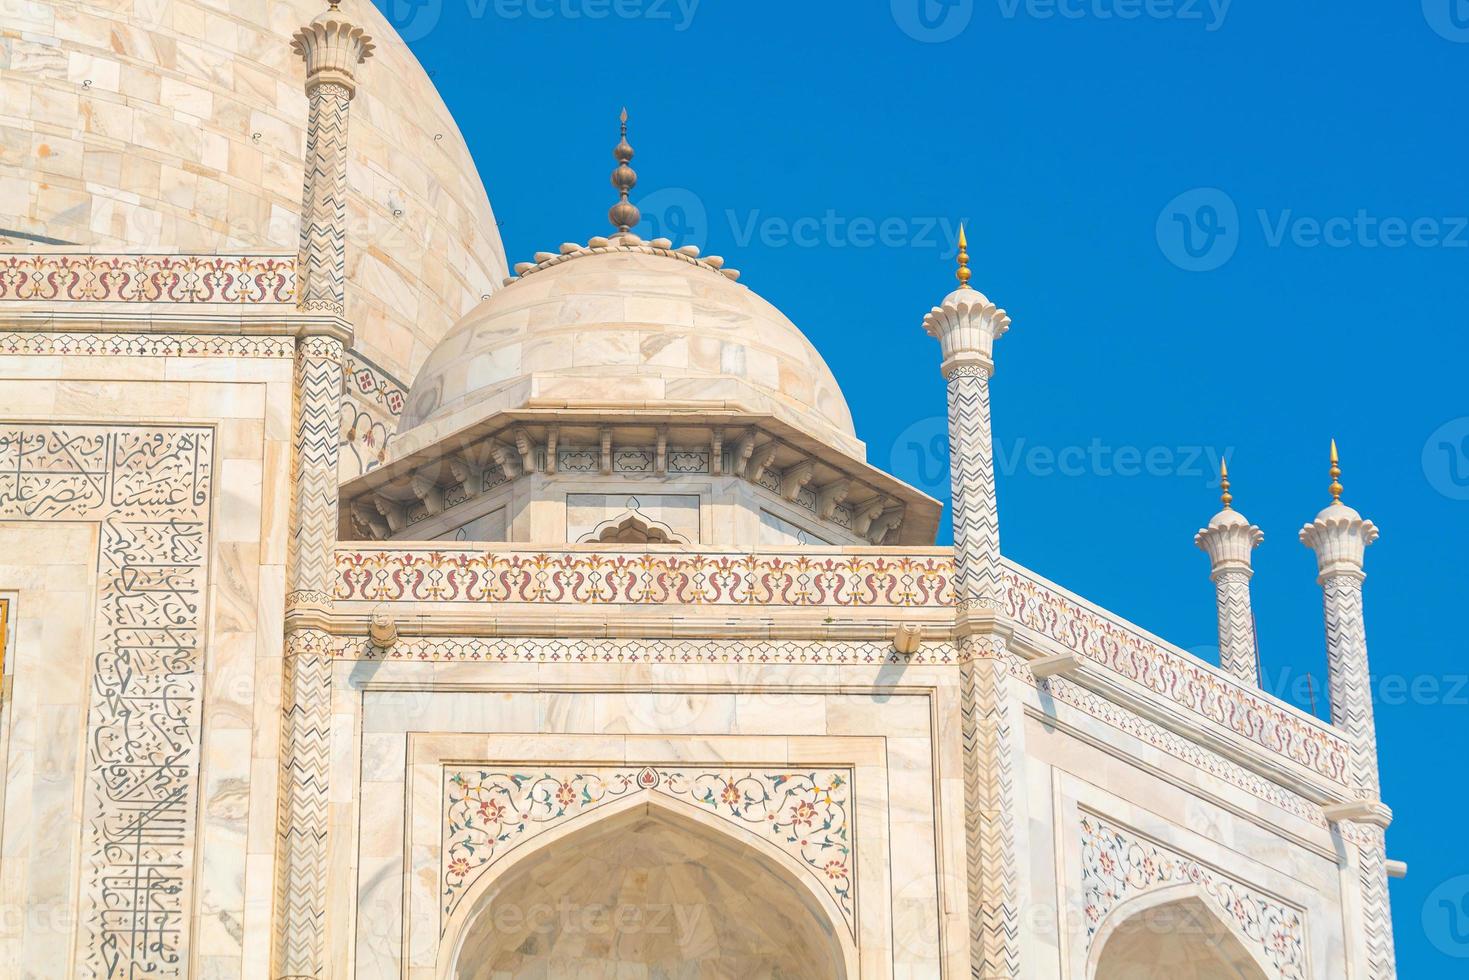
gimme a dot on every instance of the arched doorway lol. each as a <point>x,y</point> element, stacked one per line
<point>649,892</point>
<point>1171,937</point>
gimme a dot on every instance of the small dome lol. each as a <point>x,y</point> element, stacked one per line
<point>1338,511</point>
<point>636,326</point>
<point>1228,517</point>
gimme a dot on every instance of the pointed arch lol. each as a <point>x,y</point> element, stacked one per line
<point>1175,933</point>
<point>632,526</point>
<point>793,901</point>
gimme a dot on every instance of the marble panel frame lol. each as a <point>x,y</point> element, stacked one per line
<point>398,725</point>
<point>1292,883</point>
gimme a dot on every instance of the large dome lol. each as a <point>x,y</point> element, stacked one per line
<point>177,126</point>
<point>632,326</point>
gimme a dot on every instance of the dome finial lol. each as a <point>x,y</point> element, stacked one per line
<point>1224,494</point>
<point>624,214</point>
<point>1335,475</point>
<point>963,272</point>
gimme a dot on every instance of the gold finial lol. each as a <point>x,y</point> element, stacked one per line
<point>1335,475</point>
<point>333,4</point>
<point>1224,494</point>
<point>624,214</point>
<point>963,274</point>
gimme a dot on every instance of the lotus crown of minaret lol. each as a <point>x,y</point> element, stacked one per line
<point>1339,535</point>
<point>332,47</point>
<point>1229,538</point>
<point>966,325</point>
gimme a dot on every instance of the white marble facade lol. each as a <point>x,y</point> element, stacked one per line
<point>554,624</point>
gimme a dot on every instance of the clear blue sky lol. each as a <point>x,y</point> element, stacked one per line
<point>1065,141</point>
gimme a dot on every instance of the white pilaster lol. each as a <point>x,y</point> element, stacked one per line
<point>332,48</point>
<point>966,325</point>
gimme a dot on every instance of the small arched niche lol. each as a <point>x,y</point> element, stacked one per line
<point>632,529</point>
<point>645,893</point>
<point>1171,937</point>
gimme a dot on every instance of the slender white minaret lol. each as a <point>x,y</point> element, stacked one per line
<point>1229,539</point>
<point>966,325</point>
<point>1340,536</point>
<point>332,48</point>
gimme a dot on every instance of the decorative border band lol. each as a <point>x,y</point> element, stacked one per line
<point>647,579</point>
<point>146,345</point>
<point>1198,689</point>
<point>49,277</point>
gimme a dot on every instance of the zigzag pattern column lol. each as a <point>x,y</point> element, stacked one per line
<point>301,829</point>
<point>966,325</point>
<point>322,259</point>
<point>1236,626</point>
<point>990,748</point>
<point>1348,679</point>
<point>306,693</point>
<point>972,486</point>
<point>1340,538</point>
<point>331,49</point>
<point>1376,905</point>
<point>314,469</point>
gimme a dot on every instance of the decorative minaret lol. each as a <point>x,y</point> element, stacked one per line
<point>966,325</point>
<point>1340,537</point>
<point>1229,539</point>
<point>624,214</point>
<point>332,48</point>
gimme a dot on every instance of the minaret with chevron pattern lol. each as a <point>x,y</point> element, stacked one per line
<point>966,325</point>
<point>332,48</point>
<point>1340,537</point>
<point>1229,539</point>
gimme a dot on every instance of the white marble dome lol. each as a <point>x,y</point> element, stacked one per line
<point>632,326</point>
<point>179,126</point>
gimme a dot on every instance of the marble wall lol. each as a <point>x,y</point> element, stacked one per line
<point>143,511</point>
<point>854,778</point>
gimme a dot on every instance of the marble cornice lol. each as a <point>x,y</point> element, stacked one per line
<point>224,320</point>
<point>496,621</point>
